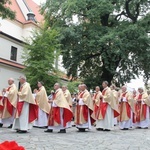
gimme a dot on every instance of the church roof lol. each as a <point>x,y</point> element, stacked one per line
<point>21,12</point>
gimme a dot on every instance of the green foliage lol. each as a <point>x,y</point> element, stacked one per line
<point>108,41</point>
<point>5,12</point>
<point>73,86</point>
<point>39,58</point>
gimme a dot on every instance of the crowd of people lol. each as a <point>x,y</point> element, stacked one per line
<point>21,110</point>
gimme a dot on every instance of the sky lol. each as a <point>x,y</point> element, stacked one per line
<point>39,1</point>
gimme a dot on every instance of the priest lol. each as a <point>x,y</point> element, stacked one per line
<point>84,116</point>
<point>107,110</point>
<point>60,113</point>
<point>142,109</point>
<point>43,106</point>
<point>69,100</point>
<point>116,97</point>
<point>126,109</point>
<point>26,111</point>
<point>96,100</point>
<point>9,103</point>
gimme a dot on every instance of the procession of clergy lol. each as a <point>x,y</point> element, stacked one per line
<point>21,110</point>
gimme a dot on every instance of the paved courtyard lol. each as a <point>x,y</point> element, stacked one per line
<point>36,139</point>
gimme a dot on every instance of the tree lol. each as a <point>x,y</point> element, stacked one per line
<point>5,12</point>
<point>109,40</point>
<point>73,86</point>
<point>39,58</point>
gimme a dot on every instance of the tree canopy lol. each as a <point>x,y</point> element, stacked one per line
<point>39,58</point>
<point>5,12</point>
<point>102,39</point>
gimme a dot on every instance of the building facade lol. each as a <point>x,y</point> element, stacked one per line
<point>12,38</point>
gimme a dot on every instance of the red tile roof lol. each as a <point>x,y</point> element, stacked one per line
<point>15,7</point>
<point>31,5</point>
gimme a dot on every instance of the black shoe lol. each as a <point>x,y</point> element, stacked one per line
<point>1,125</point>
<point>81,130</point>
<point>106,130</point>
<point>138,128</point>
<point>125,129</point>
<point>10,126</point>
<point>145,128</point>
<point>22,131</point>
<point>73,125</point>
<point>48,130</point>
<point>42,127</point>
<point>99,129</point>
<point>62,131</point>
<point>17,130</point>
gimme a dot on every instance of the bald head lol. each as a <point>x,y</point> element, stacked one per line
<point>10,81</point>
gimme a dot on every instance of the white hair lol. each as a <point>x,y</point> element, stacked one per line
<point>23,77</point>
<point>12,79</point>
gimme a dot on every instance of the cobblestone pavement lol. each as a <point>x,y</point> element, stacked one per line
<point>36,139</point>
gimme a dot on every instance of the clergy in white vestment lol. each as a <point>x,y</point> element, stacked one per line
<point>107,109</point>
<point>26,110</point>
<point>126,103</point>
<point>142,109</point>
<point>84,116</point>
<point>43,106</point>
<point>69,100</point>
<point>9,103</point>
<point>60,113</point>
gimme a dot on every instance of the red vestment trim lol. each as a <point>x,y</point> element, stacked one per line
<point>138,109</point>
<point>78,113</point>
<point>103,105</point>
<point>1,106</point>
<point>33,112</point>
<point>19,107</point>
<point>128,108</point>
<point>9,106</point>
<point>67,116</point>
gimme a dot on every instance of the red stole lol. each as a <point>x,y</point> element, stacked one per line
<point>1,106</point>
<point>9,106</point>
<point>138,109</point>
<point>102,106</point>
<point>54,115</point>
<point>95,106</point>
<point>128,108</point>
<point>33,109</point>
<point>84,110</point>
